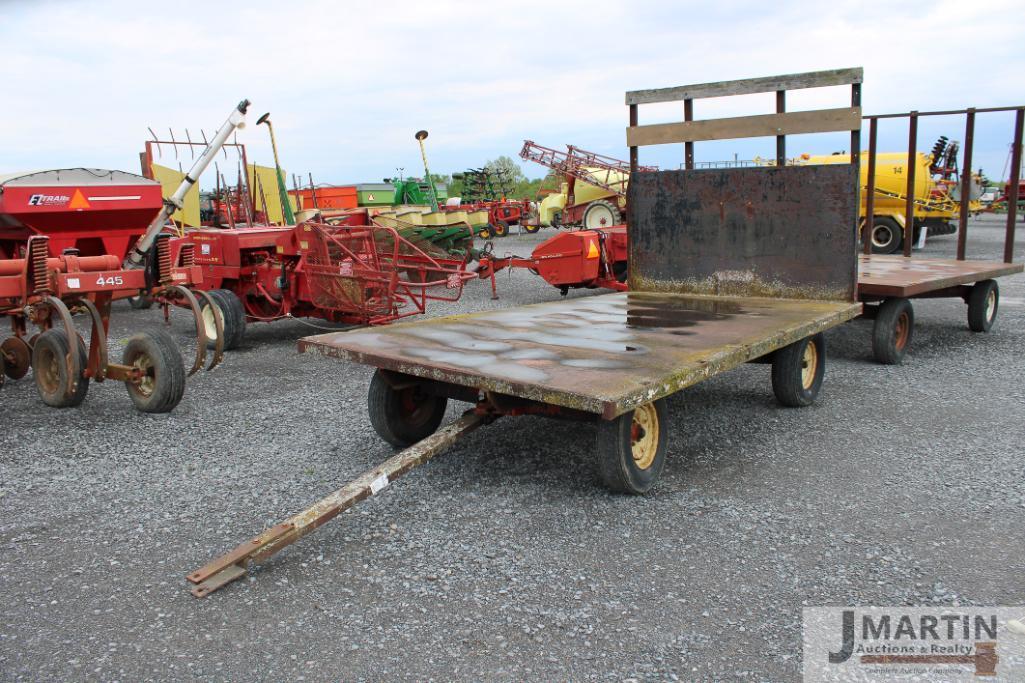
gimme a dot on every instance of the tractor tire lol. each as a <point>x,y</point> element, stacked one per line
<point>892,331</point>
<point>531,229</point>
<point>983,302</point>
<point>18,356</point>
<point>887,236</point>
<point>234,315</point>
<point>141,302</point>
<point>601,214</point>
<point>501,228</point>
<point>51,371</point>
<point>163,382</point>
<point>632,448</point>
<point>484,233</point>
<point>557,220</point>
<point>797,371</point>
<point>403,417</point>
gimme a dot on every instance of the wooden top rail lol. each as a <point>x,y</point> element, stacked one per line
<point>780,124</point>
<point>747,86</point>
<point>761,125</point>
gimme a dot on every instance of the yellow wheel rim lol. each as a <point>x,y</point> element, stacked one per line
<point>644,435</point>
<point>809,364</point>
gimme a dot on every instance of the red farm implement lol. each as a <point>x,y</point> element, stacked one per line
<point>48,291</point>
<point>94,211</point>
<point>503,213</point>
<point>355,274</point>
<point>573,259</point>
<point>595,184</point>
<point>75,240</point>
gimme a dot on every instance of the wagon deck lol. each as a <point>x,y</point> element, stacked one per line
<point>902,276</point>
<point>603,354</point>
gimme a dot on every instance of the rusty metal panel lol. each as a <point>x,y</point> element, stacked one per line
<point>602,354</point>
<point>907,277</point>
<point>764,232</point>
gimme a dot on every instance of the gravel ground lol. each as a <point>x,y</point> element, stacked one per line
<point>503,559</point>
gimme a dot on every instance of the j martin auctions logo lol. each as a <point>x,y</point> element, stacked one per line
<point>889,639</point>
<point>877,644</point>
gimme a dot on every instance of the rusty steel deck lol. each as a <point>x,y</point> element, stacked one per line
<point>604,354</point>
<point>900,276</point>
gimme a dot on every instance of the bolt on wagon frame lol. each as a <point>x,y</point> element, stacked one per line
<point>698,306</point>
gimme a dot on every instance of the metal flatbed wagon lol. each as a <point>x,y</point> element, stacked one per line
<point>727,267</point>
<point>886,284</point>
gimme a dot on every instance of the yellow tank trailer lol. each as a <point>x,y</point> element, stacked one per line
<point>936,194</point>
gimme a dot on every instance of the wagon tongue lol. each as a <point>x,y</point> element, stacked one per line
<point>235,564</point>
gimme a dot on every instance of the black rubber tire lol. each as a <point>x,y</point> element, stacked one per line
<point>892,331</point>
<point>980,318</point>
<point>501,228</point>
<point>788,365</point>
<point>157,352</point>
<point>896,232</point>
<point>597,205</point>
<point>484,233</point>
<point>403,417</point>
<point>557,220</point>
<point>619,471</point>
<point>531,229</point>
<point>141,302</point>
<point>234,314</point>
<point>51,372</point>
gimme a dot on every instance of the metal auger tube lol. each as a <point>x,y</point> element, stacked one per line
<point>137,256</point>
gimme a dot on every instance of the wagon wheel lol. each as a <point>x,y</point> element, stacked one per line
<point>17,355</point>
<point>531,229</point>
<point>632,448</point>
<point>501,228</point>
<point>485,232</point>
<point>51,369</point>
<point>983,303</point>
<point>162,382</point>
<point>892,330</point>
<point>402,416</point>
<point>797,371</point>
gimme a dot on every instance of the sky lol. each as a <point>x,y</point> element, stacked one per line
<point>349,83</point>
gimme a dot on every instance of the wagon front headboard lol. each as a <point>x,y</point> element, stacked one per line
<point>780,231</point>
